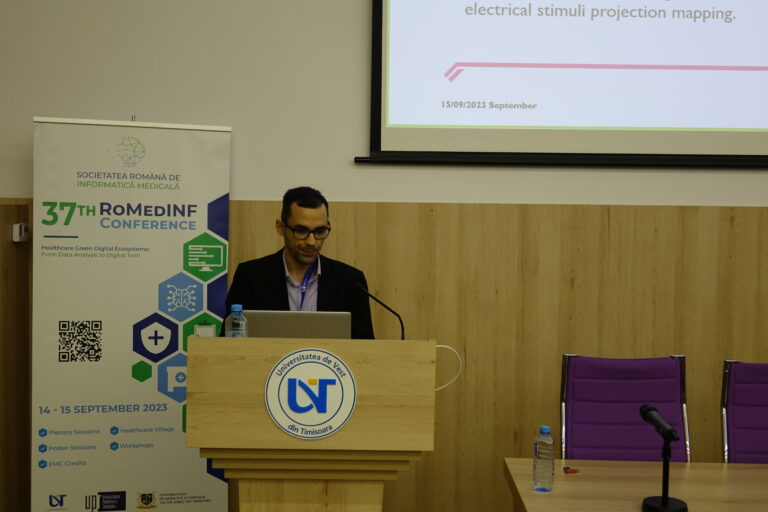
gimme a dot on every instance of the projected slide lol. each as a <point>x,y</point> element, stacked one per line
<point>647,65</point>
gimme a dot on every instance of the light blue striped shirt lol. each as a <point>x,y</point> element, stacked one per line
<point>294,290</point>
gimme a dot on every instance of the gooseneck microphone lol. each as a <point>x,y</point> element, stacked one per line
<point>402,327</point>
<point>651,416</point>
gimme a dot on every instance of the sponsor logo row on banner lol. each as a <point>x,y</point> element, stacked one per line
<point>108,501</point>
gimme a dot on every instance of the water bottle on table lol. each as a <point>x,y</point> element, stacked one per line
<point>543,460</point>
<point>236,325</point>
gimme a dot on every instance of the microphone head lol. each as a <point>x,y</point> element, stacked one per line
<point>646,409</point>
<point>662,427</point>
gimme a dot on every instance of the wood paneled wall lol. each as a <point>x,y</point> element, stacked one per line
<point>15,286</point>
<point>513,287</point>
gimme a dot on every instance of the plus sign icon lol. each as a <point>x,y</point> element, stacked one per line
<point>172,378</point>
<point>155,337</point>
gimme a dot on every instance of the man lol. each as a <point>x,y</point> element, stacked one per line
<point>296,277</point>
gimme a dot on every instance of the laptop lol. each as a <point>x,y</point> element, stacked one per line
<point>299,324</point>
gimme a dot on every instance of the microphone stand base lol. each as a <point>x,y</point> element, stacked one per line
<point>653,504</point>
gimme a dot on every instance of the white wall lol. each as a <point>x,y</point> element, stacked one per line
<point>291,77</point>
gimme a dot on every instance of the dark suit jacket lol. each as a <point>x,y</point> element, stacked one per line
<point>260,284</point>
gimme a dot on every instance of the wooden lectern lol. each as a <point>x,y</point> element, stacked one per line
<point>391,424</point>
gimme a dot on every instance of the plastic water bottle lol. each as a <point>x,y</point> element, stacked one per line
<point>543,460</point>
<point>236,325</point>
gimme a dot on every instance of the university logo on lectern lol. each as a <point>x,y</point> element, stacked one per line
<point>310,393</point>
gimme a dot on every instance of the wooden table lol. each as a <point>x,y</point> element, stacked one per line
<point>617,486</point>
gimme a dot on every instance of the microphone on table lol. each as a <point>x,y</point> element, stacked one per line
<point>402,327</point>
<point>662,503</point>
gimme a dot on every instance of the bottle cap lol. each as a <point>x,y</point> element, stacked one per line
<point>237,308</point>
<point>544,429</point>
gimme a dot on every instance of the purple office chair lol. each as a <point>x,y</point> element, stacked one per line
<point>744,404</point>
<point>600,403</point>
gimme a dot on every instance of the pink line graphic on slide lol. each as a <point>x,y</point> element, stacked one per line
<point>458,67</point>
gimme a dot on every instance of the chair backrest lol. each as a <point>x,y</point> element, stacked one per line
<point>600,402</point>
<point>744,404</point>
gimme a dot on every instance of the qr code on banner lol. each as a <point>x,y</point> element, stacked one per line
<point>79,340</point>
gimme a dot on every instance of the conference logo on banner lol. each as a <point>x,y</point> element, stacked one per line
<point>130,257</point>
<point>310,394</point>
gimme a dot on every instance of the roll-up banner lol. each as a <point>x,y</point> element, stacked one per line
<point>130,234</point>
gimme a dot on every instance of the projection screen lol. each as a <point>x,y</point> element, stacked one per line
<point>656,82</point>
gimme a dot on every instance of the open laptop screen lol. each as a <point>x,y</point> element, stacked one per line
<point>299,324</point>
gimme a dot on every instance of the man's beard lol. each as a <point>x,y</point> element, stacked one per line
<point>306,259</point>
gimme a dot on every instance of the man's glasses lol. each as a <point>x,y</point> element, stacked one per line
<point>302,233</point>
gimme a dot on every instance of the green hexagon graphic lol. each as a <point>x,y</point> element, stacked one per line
<point>141,371</point>
<point>205,257</point>
<point>204,325</point>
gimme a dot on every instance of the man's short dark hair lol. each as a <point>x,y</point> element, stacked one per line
<point>305,197</point>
